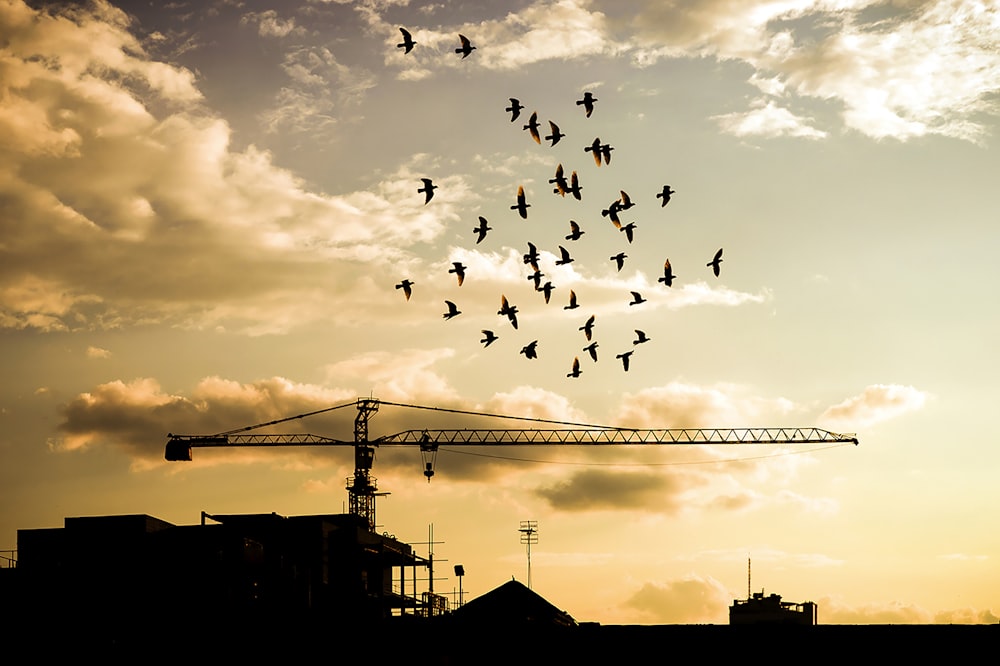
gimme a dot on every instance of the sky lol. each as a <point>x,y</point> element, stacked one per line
<point>206,208</point>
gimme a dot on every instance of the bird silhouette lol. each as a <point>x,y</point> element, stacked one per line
<point>532,256</point>
<point>459,271</point>
<point>514,108</point>
<point>640,337</point>
<point>637,298</point>
<point>574,231</point>
<point>665,195</point>
<point>408,42</point>
<point>592,348</point>
<point>561,186</point>
<point>595,149</point>
<point>536,277</point>
<point>587,102</point>
<point>428,190</point>
<point>521,206</point>
<point>668,274</point>
<point>547,290</point>
<point>574,186</point>
<point>466,47</point>
<point>533,126</point>
<point>624,357</point>
<point>405,285</point>
<point>576,368</point>
<point>572,301</point>
<point>611,212</point>
<point>482,229</point>
<point>510,311</point>
<point>619,259</point>
<point>565,258</point>
<point>556,134</point>
<point>629,230</point>
<point>452,310</point>
<point>530,350</point>
<point>489,339</point>
<point>588,327</point>
<point>715,262</point>
<point>605,153</point>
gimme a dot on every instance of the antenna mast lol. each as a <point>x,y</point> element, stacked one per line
<point>529,535</point>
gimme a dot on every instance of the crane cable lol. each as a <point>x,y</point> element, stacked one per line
<point>505,416</point>
<point>288,418</point>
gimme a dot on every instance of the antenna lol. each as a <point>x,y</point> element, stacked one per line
<point>529,535</point>
<point>748,576</point>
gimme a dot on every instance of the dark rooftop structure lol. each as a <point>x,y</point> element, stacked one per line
<point>759,609</point>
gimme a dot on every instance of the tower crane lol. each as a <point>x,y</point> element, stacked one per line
<point>362,486</point>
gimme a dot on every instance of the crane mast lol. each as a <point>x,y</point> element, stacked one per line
<point>362,487</point>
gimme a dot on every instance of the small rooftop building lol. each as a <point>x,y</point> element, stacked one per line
<point>759,609</point>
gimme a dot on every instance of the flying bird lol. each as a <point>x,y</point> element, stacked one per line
<point>624,357</point>
<point>514,108</point>
<point>588,328</point>
<point>459,271</point>
<point>629,230</point>
<point>565,259</point>
<point>637,298</point>
<point>536,277</point>
<point>572,301</point>
<point>606,153</point>
<point>576,372</point>
<point>482,229</point>
<point>640,337</point>
<point>428,190</point>
<point>619,259</point>
<point>665,195</point>
<point>466,48</point>
<point>405,285</point>
<point>532,256</point>
<point>562,187</point>
<point>574,231</point>
<point>574,187</point>
<point>547,290</point>
<point>408,42</point>
<point>452,310</point>
<point>592,348</point>
<point>611,212</point>
<point>489,339</point>
<point>532,127</point>
<point>626,200</point>
<point>587,102</point>
<point>530,349</point>
<point>510,311</point>
<point>668,274</point>
<point>521,206</point>
<point>556,134</point>
<point>715,262</point>
<point>595,149</point>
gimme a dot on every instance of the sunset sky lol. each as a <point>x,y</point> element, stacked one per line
<point>205,209</point>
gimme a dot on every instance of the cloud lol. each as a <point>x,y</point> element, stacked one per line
<point>691,406</point>
<point>768,120</point>
<point>690,600</point>
<point>599,489</point>
<point>97,352</point>
<point>835,611</point>
<point>877,403</point>
<point>269,24</point>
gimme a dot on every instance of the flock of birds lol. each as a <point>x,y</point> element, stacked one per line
<point>563,185</point>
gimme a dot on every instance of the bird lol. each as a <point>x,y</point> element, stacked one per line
<point>514,108</point>
<point>521,206</point>
<point>561,186</point>
<point>572,301</point>
<point>629,230</point>
<point>624,357</point>
<point>665,195</point>
<point>611,212</point>
<point>466,48</point>
<point>556,134</point>
<point>405,285</point>
<point>626,200</point>
<point>530,350</point>
<point>587,102</point>
<point>668,274</point>
<point>576,368</point>
<point>428,190</point>
<point>509,310</point>
<point>637,298</point>
<point>574,187</point>
<point>640,337</point>
<point>574,231</point>
<point>619,259</point>
<point>489,339</point>
<point>459,271</point>
<point>606,153</point>
<point>715,262</point>
<point>547,290</point>
<point>592,348</point>
<point>532,127</point>
<point>536,277</point>
<point>532,256</point>
<point>565,259</point>
<point>482,229</point>
<point>452,310</point>
<point>408,42</point>
<point>588,327</point>
<point>595,149</point>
